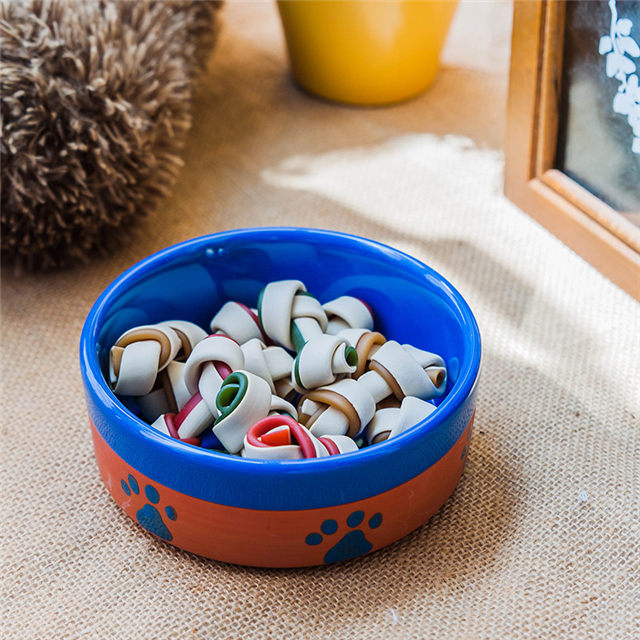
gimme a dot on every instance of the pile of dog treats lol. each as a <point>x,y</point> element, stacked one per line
<point>291,379</point>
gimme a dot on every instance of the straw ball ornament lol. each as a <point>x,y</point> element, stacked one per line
<point>96,102</point>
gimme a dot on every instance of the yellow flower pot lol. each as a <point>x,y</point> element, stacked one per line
<point>365,52</point>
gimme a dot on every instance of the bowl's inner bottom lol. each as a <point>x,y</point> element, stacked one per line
<point>409,304</point>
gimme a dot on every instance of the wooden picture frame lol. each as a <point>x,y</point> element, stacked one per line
<point>593,229</point>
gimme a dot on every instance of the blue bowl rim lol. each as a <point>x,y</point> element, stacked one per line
<point>97,387</point>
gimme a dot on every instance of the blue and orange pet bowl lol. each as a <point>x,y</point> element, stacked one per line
<point>282,513</point>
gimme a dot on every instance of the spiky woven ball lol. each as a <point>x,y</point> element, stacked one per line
<point>96,102</point>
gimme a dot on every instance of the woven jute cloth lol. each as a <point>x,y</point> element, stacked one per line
<point>541,537</point>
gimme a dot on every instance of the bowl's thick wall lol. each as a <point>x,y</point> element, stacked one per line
<point>268,538</point>
<point>411,303</point>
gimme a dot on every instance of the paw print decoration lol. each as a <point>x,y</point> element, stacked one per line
<point>148,515</point>
<point>350,544</point>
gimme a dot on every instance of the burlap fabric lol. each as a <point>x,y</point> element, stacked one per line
<point>541,537</point>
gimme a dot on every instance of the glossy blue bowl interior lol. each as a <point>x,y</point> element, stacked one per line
<point>191,280</point>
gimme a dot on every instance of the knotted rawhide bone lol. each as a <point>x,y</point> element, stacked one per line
<point>273,364</point>
<point>237,321</point>
<point>243,399</point>
<point>342,408</point>
<point>433,364</point>
<point>295,319</point>
<point>166,424</point>
<point>210,362</point>
<point>390,422</point>
<point>404,371</point>
<point>289,315</point>
<point>347,312</point>
<point>338,444</point>
<point>170,393</point>
<point>323,360</point>
<point>190,335</point>
<point>137,357</point>
<point>280,437</point>
<point>366,343</point>
<point>394,369</point>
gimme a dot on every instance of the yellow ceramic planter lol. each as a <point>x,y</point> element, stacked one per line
<point>365,52</point>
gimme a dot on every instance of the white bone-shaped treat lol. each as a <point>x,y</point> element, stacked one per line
<point>346,407</point>
<point>243,399</point>
<point>433,364</point>
<point>323,360</point>
<point>282,438</point>
<point>342,407</point>
<point>237,321</point>
<point>166,424</point>
<point>366,344</point>
<point>190,335</point>
<point>295,319</point>
<point>391,422</point>
<point>273,364</point>
<point>213,349</point>
<point>289,315</point>
<point>137,357</point>
<point>405,371</point>
<point>210,362</point>
<point>170,393</point>
<point>338,444</point>
<point>347,312</point>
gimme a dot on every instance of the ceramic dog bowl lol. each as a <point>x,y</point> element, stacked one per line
<point>282,513</point>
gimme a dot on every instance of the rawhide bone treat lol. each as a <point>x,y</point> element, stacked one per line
<point>392,421</point>
<point>237,321</point>
<point>244,398</point>
<point>282,438</point>
<point>292,317</point>
<point>210,362</point>
<point>172,393</point>
<point>347,312</point>
<point>137,357</point>
<point>272,364</point>
<point>147,362</point>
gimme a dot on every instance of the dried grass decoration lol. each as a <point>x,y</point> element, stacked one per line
<point>96,102</point>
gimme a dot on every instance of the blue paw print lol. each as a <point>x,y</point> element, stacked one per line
<point>352,544</point>
<point>148,516</point>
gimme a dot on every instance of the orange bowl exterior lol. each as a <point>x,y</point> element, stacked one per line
<point>263,538</point>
